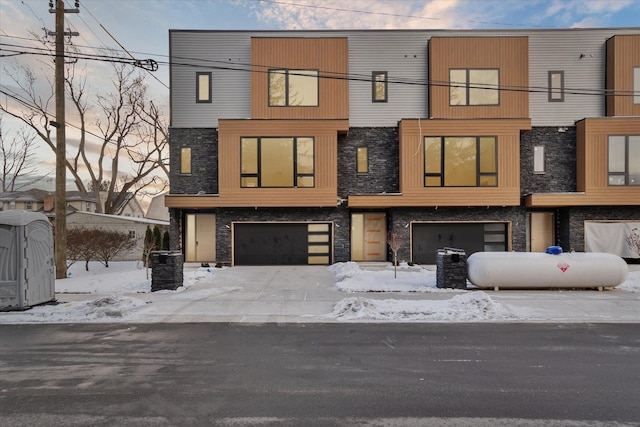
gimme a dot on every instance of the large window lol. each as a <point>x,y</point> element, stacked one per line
<point>289,88</point>
<point>556,86</point>
<point>474,87</point>
<point>277,162</point>
<point>203,87</point>
<point>379,86</point>
<point>467,161</point>
<point>624,160</point>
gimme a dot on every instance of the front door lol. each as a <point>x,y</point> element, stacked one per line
<point>541,232</point>
<point>200,238</point>
<point>369,236</point>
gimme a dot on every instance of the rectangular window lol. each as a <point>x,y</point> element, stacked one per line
<point>362,160</point>
<point>87,206</point>
<point>538,159</point>
<point>132,234</point>
<point>28,206</point>
<point>636,85</point>
<point>185,160</point>
<point>203,87</point>
<point>379,86</point>
<point>277,162</point>
<point>293,88</point>
<point>474,87</point>
<point>624,160</point>
<point>460,161</point>
<point>556,86</point>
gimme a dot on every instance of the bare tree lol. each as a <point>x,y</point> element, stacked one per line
<point>109,244</point>
<point>17,160</point>
<point>395,241</point>
<point>130,137</point>
<point>81,245</point>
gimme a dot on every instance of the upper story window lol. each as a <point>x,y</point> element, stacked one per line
<point>293,88</point>
<point>624,160</point>
<point>466,161</point>
<point>277,162</point>
<point>88,206</point>
<point>379,86</point>
<point>185,160</point>
<point>636,85</point>
<point>538,159</point>
<point>474,87</point>
<point>556,86</point>
<point>362,160</point>
<point>203,87</point>
<point>28,206</point>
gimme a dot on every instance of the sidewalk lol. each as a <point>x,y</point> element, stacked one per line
<point>308,294</point>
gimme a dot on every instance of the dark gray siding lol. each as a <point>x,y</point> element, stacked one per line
<point>204,161</point>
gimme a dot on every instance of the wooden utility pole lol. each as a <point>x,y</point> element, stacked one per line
<point>61,149</point>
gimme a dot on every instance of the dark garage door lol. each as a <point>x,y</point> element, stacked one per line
<point>281,243</point>
<point>472,237</point>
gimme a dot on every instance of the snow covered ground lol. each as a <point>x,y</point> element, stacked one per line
<point>122,293</point>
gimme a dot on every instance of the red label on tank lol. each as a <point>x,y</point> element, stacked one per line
<point>563,266</point>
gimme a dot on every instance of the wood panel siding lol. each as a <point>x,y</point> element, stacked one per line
<point>592,155</point>
<point>412,189</point>
<point>327,55</point>
<point>623,54</point>
<point>231,194</point>
<point>508,54</point>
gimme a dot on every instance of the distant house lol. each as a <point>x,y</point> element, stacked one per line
<point>36,200</point>
<point>157,209</point>
<point>134,227</point>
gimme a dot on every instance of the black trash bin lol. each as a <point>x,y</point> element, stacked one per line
<point>451,268</point>
<point>166,270</point>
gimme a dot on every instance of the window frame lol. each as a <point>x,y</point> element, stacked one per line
<point>287,72</point>
<point>626,174</point>
<point>468,86</point>
<point>259,170</point>
<point>636,85</point>
<point>365,150</point>
<point>553,90</point>
<point>183,169</point>
<point>538,160</point>
<point>374,83</point>
<point>478,171</point>
<point>209,98</point>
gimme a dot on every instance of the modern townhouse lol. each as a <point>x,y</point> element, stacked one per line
<point>311,147</point>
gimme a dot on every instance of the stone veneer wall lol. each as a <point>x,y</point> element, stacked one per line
<point>384,163</point>
<point>204,160</point>
<point>575,217</point>
<point>559,160</point>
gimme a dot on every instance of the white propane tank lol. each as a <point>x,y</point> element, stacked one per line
<point>543,270</point>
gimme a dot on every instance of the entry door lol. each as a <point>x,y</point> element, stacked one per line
<point>200,238</point>
<point>541,231</point>
<point>369,236</point>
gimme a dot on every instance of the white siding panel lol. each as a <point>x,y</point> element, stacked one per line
<point>227,56</point>
<point>561,50</point>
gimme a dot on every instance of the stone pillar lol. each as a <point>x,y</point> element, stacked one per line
<point>166,270</point>
<point>451,268</point>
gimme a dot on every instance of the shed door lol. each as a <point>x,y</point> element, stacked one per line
<point>40,286</point>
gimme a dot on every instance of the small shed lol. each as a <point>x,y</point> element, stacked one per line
<point>27,267</point>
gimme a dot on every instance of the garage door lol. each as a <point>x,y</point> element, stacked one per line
<point>427,238</point>
<point>281,243</point>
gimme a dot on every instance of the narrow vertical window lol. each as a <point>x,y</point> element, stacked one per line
<point>379,86</point>
<point>636,85</point>
<point>362,160</point>
<point>185,160</point>
<point>203,87</point>
<point>556,86</point>
<point>538,159</point>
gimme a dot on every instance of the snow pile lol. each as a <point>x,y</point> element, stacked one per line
<point>632,284</point>
<point>468,307</point>
<point>105,309</point>
<point>350,277</point>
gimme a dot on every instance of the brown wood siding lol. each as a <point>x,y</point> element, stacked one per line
<point>508,54</point>
<point>592,167</point>
<point>328,55</point>
<point>414,193</point>
<point>623,54</point>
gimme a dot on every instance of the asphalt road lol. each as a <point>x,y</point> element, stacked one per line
<point>315,374</point>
